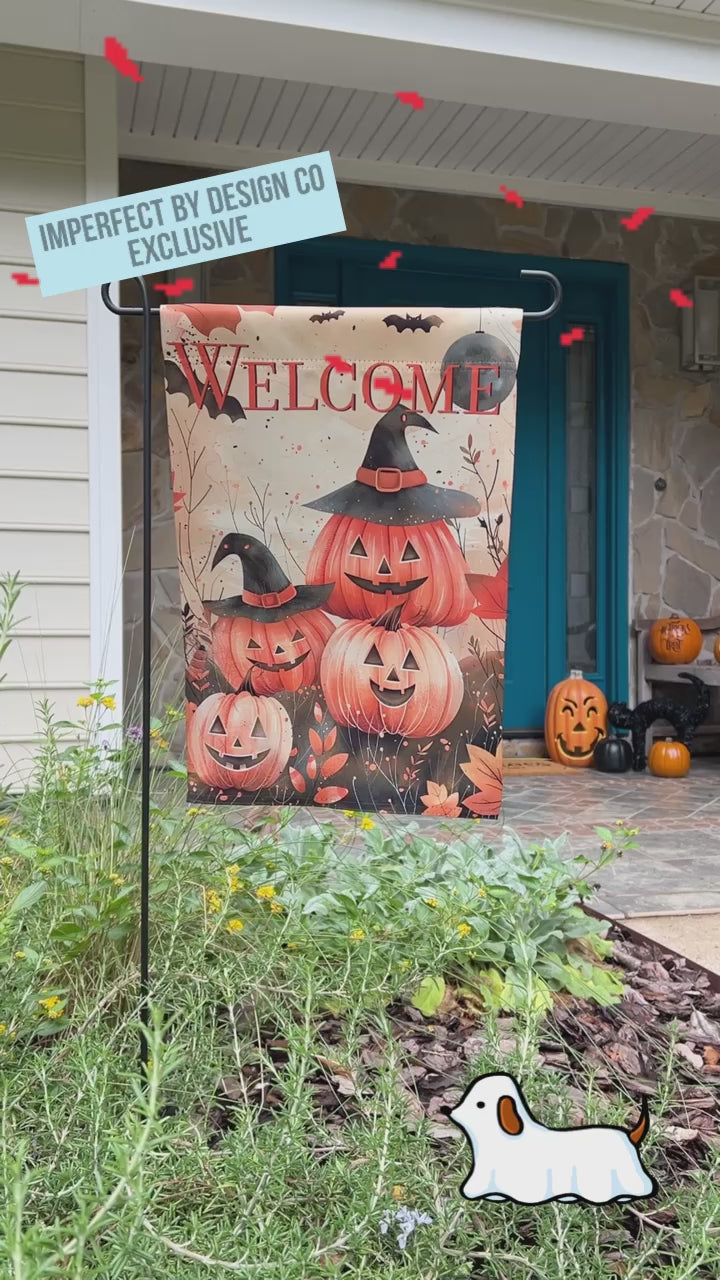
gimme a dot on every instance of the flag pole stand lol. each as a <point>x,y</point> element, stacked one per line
<point>147,312</point>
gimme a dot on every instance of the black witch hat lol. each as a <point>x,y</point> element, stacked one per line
<point>389,487</point>
<point>267,594</point>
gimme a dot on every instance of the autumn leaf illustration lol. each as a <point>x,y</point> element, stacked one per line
<point>438,804</point>
<point>334,764</point>
<point>485,771</point>
<point>297,780</point>
<point>316,742</point>
<point>491,592</point>
<point>330,795</point>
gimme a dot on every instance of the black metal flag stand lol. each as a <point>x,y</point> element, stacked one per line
<point>146,311</point>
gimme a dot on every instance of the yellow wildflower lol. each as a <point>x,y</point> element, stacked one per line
<point>349,813</point>
<point>116,879</point>
<point>4,822</point>
<point>84,702</point>
<point>212,900</point>
<point>3,1028</point>
<point>19,955</point>
<point>53,1006</point>
<point>606,845</point>
<point>265,891</point>
<point>482,893</point>
<point>191,813</point>
<point>404,964</point>
<point>357,935</point>
<point>292,946</point>
<point>277,908</point>
<point>367,824</point>
<point>464,929</point>
<point>398,1192</point>
<point>235,925</point>
<point>109,702</point>
<point>271,865</point>
<point>155,733</point>
<point>431,902</point>
<point>6,862</point>
<point>233,869</point>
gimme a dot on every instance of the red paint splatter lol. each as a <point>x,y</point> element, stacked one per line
<point>680,299</point>
<point>22,277</point>
<point>573,335</point>
<point>387,384</point>
<point>339,365</point>
<point>117,56</point>
<point>176,290</point>
<point>637,218</point>
<point>390,262</point>
<point>411,99</point>
<point>512,197</point>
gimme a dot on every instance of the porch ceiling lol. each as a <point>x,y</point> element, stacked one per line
<point>222,121</point>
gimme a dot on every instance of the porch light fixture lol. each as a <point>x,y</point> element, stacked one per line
<point>700,326</point>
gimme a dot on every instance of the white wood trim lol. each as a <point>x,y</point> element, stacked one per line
<point>453,181</point>
<point>104,419</point>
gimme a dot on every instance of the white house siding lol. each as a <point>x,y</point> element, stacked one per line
<point>44,520</point>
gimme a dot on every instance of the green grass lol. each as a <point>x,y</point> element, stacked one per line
<point>101,1178</point>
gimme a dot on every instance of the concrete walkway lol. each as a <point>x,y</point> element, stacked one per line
<point>676,866</point>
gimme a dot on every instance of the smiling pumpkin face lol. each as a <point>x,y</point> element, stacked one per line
<point>384,677</point>
<point>575,721</point>
<point>377,566</point>
<point>239,741</point>
<point>280,655</point>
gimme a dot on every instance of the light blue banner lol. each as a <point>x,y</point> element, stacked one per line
<point>192,222</point>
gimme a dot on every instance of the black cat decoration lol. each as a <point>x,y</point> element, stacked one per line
<point>684,719</point>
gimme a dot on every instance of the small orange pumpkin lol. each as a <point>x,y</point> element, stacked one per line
<point>675,640</point>
<point>716,649</point>
<point>669,759</point>
<point>575,721</point>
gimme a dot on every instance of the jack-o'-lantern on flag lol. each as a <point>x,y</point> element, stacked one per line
<point>387,541</point>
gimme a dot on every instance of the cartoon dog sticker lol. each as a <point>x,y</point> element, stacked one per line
<point>517,1158</point>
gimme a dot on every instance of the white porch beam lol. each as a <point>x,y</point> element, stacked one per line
<point>181,151</point>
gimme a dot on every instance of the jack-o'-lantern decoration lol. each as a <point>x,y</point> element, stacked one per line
<point>669,759</point>
<point>575,721</point>
<point>238,740</point>
<point>387,542</point>
<point>675,640</point>
<point>274,630</point>
<point>388,677</point>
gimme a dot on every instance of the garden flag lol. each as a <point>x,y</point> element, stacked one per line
<point>342,483</point>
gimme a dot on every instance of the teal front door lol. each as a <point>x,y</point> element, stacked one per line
<point>569,534</point>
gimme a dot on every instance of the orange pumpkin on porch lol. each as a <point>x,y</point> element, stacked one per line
<point>385,677</point>
<point>575,721</point>
<point>675,640</point>
<point>669,759</point>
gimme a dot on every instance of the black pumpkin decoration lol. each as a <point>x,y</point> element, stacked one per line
<point>496,382</point>
<point>613,755</point>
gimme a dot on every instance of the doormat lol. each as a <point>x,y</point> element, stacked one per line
<point>532,765</point>
<point>342,485</point>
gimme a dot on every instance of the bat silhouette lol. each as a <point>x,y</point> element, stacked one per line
<point>401,323</point>
<point>176,381</point>
<point>322,316</point>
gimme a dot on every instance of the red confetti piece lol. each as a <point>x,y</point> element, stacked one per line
<point>573,335</point>
<point>637,218</point>
<point>411,99</point>
<point>512,197</point>
<point>339,365</point>
<point>387,384</point>
<point>22,277</point>
<point>183,285</point>
<point>390,262</point>
<point>117,56</point>
<point>680,299</point>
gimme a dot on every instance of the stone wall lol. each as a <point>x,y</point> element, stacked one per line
<point>675,416</point>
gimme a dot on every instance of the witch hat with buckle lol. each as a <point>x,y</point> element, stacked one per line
<point>267,594</point>
<point>389,487</point>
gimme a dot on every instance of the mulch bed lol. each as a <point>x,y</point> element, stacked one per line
<point>623,1047</point>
